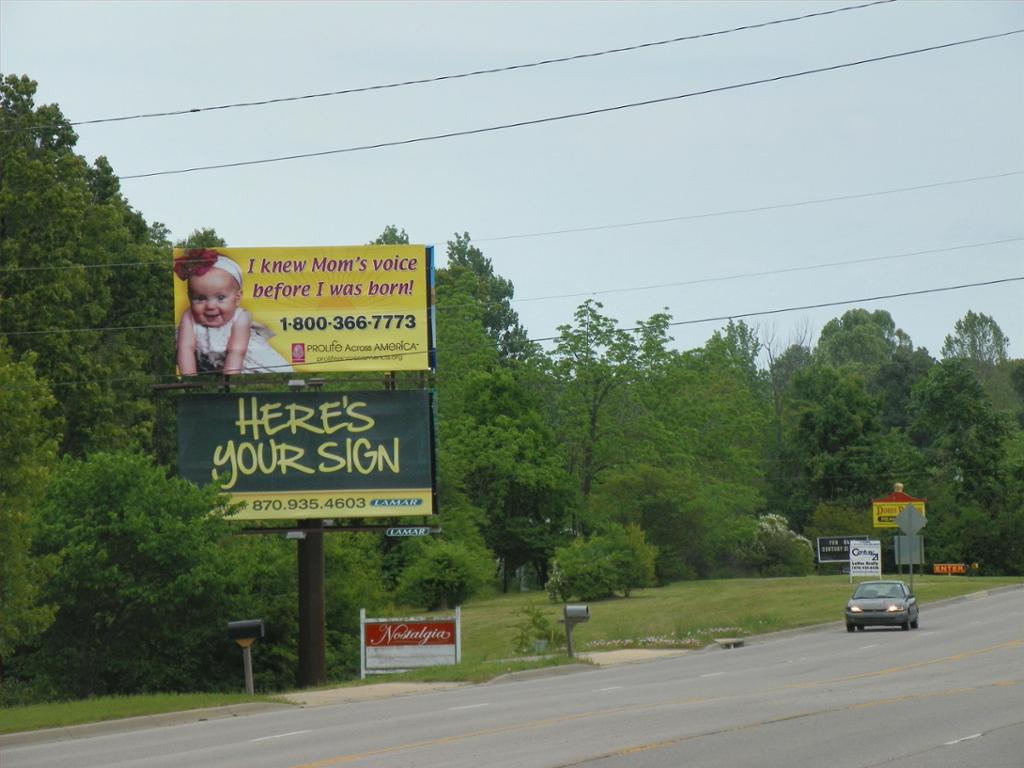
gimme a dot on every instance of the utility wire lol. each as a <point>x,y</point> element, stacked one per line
<point>822,305</point>
<point>477,72</point>
<point>579,294</point>
<point>298,366</point>
<point>735,211</point>
<point>768,272</point>
<point>571,115</point>
<point>734,316</point>
<point>165,263</point>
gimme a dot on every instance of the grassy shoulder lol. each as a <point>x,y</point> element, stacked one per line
<point>683,615</point>
<point>95,710</point>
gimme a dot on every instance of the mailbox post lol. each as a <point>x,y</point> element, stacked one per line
<point>245,634</point>
<point>574,614</point>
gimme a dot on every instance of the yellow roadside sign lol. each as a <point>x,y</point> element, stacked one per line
<point>885,510</point>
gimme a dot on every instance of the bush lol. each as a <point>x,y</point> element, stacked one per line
<point>536,631</point>
<point>618,560</point>
<point>780,551</point>
<point>143,589</point>
<point>445,575</point>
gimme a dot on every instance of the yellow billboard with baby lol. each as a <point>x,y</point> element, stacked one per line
<point>307,309</point>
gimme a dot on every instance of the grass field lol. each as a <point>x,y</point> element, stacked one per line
<point>683,615</point>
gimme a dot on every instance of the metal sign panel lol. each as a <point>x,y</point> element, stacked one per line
<point>911,520</point>
<point>297,455</point>
<point>909,550</point>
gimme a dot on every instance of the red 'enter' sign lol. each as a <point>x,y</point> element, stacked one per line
<point>949,568</point>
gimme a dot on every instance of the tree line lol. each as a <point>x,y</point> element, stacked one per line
<point>608,462</point>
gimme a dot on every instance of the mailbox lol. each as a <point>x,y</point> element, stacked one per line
<point>574,614</point>
<point>245,633</point>
<point>577,613</point>
<point>250,629</point>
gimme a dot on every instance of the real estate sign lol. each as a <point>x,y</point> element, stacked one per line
<point>866,558</point>
<point>302,455</point>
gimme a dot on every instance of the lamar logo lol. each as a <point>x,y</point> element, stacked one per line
<point>396,502</point>
<point>298,353</point>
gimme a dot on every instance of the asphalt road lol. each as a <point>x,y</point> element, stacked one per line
<point>948,694</point>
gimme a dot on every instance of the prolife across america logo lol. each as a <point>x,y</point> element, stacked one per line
<point>298,352</point>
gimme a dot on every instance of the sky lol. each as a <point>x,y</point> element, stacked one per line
<point>707,205</point>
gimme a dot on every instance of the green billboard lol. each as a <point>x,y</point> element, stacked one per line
<point>313,454</point>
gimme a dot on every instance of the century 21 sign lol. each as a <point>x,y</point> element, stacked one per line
<point>312,454</point>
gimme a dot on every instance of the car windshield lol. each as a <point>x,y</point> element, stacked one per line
<point>868,591</point>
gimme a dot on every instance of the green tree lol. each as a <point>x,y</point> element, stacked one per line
<point>492,294</point>
<point>444,576</point>
<point>618,559</point>
<point>861,339</point>
<point>391,235</point>
<point>143,589</point>
<point>831,444</point>
<point>28,445</point>
<point>83,285</point>
<point>978,340</point>
<point>595,365</point>
<point>205,237</point>
<point>506,465</point>
<point>976,337</point>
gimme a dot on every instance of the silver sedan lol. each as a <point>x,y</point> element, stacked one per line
<point>882,603</point>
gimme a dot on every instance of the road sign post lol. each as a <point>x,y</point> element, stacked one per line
<point>911,521</point>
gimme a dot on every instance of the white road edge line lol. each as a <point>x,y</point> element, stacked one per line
<point>609,688</point>
<point>279,736</point>
<point>713,674</point>
<point>468,706</point>
<point>965,738</point>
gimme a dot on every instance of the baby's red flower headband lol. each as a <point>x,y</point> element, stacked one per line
<point>195,261</point>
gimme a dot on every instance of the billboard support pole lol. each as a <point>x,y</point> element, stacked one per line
<point>312,647</point>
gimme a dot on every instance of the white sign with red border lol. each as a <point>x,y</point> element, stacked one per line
<point>397,645</point>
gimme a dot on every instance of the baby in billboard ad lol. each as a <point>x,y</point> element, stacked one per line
<point>215,334</point>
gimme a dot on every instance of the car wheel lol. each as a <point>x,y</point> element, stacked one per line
<point>905,626</point>
<point>914,624</point>
<point>850,627</point>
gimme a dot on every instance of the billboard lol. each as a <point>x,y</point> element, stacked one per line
<point>885,510</point>
<point>297,455</point>
<point>836,549</point>
<point>313,309</point>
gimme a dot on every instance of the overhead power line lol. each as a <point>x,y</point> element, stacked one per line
<point>572,115</point>
<point>754,209</point>
<point>736,316</point>
<point>166,264</point>
<point>732,316</point>
<point>479,72</point>
<point>769,272</point>
<point>822,305</point>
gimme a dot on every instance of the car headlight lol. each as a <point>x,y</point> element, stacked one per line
<point>855,608</point>
<point>893,607</point>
